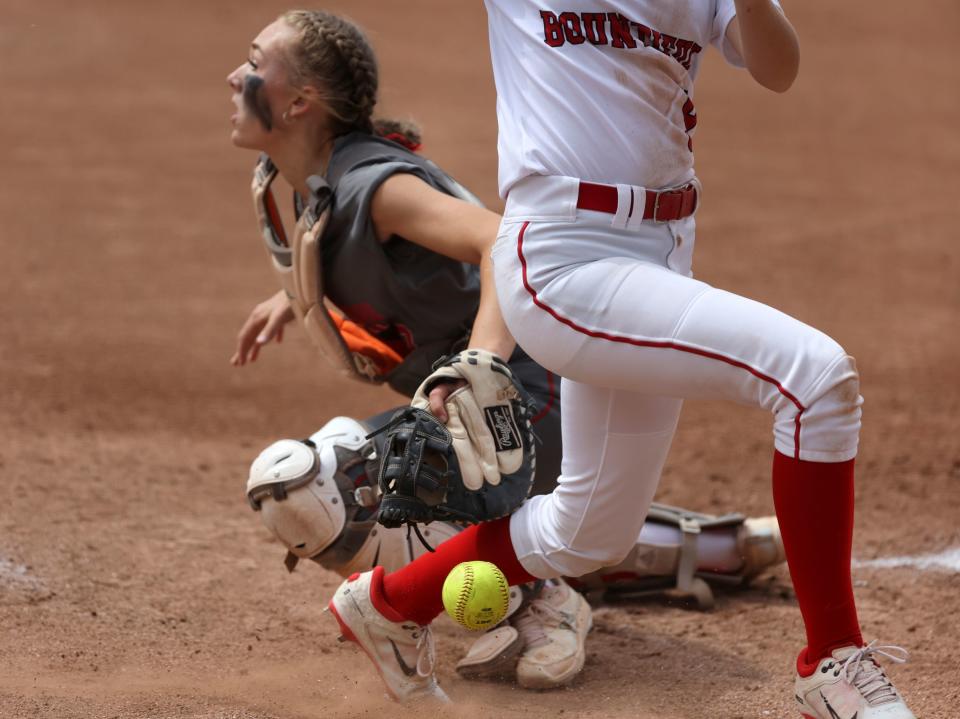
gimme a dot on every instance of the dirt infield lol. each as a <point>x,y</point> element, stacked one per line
<point>135,581</point>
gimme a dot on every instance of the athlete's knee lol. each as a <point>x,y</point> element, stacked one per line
<point>830,420</point>
<point>822,371</point>
<point>577,557</point>
<point>837,387</point>
<point>615,553</point>
<point>306,491</point>
<point>319,498</point>
<point>553,539</point>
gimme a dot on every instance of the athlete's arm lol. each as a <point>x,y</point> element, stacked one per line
<point>407,206</point>
<point>767,43</point>
<point>264,324</point>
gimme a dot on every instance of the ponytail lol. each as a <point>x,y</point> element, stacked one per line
<point>400,131</point>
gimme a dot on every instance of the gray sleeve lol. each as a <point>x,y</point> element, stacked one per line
<point>356,189</point>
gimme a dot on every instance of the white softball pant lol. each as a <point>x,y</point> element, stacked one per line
<point>611,306</point>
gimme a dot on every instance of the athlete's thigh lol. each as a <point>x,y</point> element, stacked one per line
<point>630,323</point>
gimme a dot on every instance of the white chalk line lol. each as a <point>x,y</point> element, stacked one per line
<point>945,561</point>
<point>17,575</point>
<point>14,575</point>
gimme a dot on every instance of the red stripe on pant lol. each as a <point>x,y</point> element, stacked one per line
<point>551,397</point>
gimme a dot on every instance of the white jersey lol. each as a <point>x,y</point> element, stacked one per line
<point>614,77</point>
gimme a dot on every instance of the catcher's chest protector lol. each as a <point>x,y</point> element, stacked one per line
<point>414,300</point>
<point>296,265</point>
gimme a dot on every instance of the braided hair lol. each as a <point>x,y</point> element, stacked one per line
<point>334,54</point>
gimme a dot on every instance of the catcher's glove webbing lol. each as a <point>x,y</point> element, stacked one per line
<point>477,467</point>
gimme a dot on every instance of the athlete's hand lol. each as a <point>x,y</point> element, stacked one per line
<point>446,387</point>
<point>264,324</point>
<point>438,396</point>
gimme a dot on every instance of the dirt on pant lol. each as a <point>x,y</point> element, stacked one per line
<point>134,579</point>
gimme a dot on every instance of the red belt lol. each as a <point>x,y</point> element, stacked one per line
<point>659,206</point>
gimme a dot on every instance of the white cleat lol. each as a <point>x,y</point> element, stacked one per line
<point>402,651</point>
<point>493,655</point>
<point>553,628</point>
<point>851,685</point>
<point>542,645</point>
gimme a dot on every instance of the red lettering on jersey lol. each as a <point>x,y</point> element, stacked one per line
<point>655,37</point>
<point>689,115</point>
<point>595,27</point>
<point>686,49</point>
<point>572,28</point>
<point>668,44</point>
<point>644,34</point>
<point>552,29</point>
<point>620,31</point>
<point>689,121</point>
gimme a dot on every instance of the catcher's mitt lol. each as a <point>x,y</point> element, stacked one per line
<point>477,467</point>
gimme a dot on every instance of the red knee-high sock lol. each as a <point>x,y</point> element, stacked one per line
<point>414,590</point>
<point>814,502</point>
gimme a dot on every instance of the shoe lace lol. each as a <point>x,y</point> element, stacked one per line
<point>862,671</point>
<point>426,649</point>
<point>528,625</point>
<point>532,620</point>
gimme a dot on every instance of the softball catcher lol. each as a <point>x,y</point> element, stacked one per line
<point>320,496</point>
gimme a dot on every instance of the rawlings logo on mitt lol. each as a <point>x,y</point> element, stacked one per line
<point>477,467</point>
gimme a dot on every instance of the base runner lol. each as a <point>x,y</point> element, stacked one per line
<point>395,246</point>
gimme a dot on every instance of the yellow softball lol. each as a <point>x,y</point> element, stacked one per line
<point>476,595</point>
